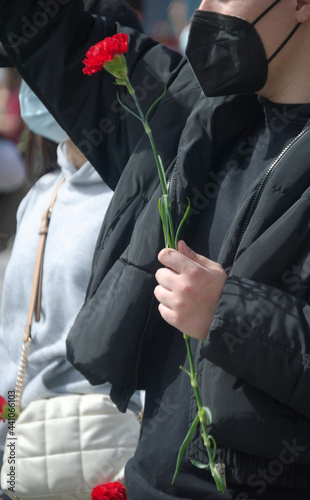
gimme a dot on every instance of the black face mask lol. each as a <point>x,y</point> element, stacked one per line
<point>227,54</point>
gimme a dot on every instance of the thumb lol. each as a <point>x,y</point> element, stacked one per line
<point>190,254</point>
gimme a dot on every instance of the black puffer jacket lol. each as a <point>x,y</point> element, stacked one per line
<point>254,368</point>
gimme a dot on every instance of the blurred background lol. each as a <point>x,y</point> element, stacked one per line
<point>165,21</point>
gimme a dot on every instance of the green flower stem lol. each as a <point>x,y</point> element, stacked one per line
<point>208,441</point>
<point>194,384</point>
<point>161,172</point>
<point>131,91</point>
<point>171,241</point>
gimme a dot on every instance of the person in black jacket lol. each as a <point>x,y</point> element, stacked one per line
<point>240,285</point>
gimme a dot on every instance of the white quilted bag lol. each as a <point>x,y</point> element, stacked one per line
<point>62,447</point>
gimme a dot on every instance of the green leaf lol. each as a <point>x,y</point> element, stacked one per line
<point>214,445</point>
<point>183,446</point>
<point>155,102</point>
<point>200,466</point>
<point>208,415</point>
<point>182,221</point>
<point>162,176</point>
<point>185,371</point>
<point>164,212</point>
<point>171,229</point>
<point>127,109</point>
<point>164,223</point>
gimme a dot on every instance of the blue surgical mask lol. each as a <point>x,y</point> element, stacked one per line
<point>37,118</point>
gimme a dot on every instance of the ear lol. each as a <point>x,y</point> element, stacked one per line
<point>302,11</point>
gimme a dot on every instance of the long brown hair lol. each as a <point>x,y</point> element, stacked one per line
<point>40,156</point>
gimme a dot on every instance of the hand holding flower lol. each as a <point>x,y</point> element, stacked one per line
<point>189,290</point>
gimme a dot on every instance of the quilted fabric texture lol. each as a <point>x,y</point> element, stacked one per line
<point>65,446</point>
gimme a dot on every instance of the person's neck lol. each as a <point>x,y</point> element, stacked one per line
<point>290,72</point>
<point>74,155</point>
<point>293,91</point>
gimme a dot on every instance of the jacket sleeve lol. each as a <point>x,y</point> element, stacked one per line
<point>261,334</point>
<point>47,42</point>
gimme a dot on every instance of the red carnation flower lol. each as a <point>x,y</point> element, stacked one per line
<point>3,403</point>
<point>104,52</point>
<point>109,491</point>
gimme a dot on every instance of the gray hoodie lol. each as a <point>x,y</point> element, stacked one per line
<point>76,220</point>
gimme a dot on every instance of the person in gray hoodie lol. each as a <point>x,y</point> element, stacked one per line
<point>80,205</point>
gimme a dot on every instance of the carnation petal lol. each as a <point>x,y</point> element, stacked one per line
<point>105,51</point>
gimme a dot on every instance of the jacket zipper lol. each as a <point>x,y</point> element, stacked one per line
<point>170,179</point>
<point>262,184</point>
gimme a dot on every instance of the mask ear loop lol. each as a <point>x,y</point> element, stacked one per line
<point>265,12</point>
<point>286,39</point>
<point>284,43</point>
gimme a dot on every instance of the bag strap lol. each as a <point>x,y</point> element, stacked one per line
<point>35,297</point>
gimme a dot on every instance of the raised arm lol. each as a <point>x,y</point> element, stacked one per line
<point>47,41</point>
